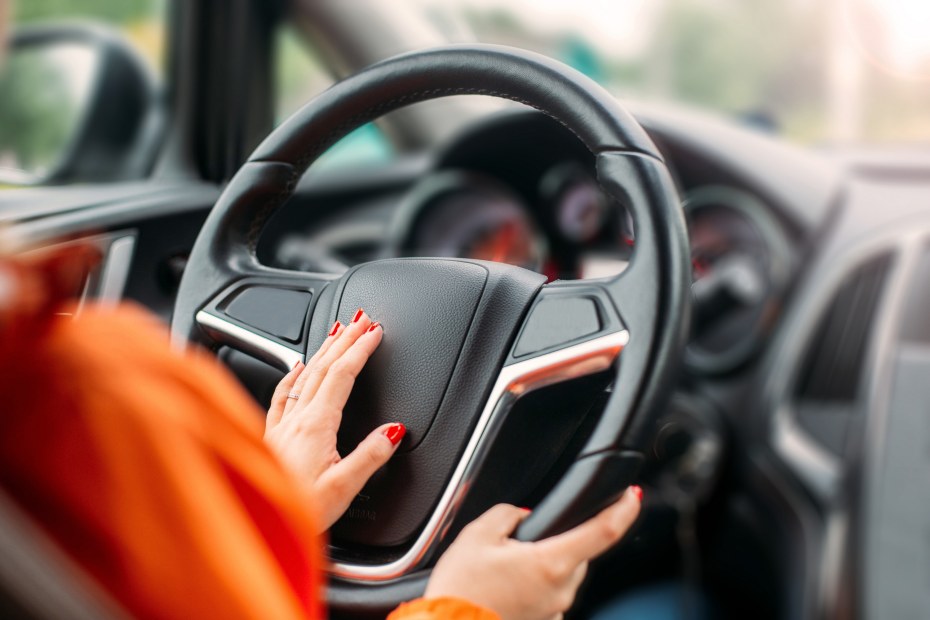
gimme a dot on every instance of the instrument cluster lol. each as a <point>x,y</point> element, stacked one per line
<point>568,228</point>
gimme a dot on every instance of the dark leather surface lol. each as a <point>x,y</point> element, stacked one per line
<point>426,308</point>
<point>653,296</point>
<point>571,98</point>
<point>271,309</point>
<point>592,483</point>
<point>449,325</point>
<point>223,252</point>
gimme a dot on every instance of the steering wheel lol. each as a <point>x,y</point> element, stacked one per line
<point>464,340</point>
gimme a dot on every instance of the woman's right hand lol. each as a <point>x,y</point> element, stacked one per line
<point>523,580</point>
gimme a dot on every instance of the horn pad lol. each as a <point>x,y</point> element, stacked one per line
<point>448,325</point>
<point>425,322</point>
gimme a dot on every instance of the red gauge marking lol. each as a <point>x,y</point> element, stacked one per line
<point>700,267</point>
<point>503,242</point>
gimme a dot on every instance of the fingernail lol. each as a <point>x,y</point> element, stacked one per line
<point>395,432</point>
<point>526,509</point>
<point>374,326</point>
<point>358,315</point>
<point>637,491</point>
<point>296,365</point>
<point>335,328</point>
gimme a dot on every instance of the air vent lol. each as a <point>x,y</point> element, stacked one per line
<point>833,364</point>
<point>831,373</point>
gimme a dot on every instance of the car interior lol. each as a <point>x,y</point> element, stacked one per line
<point>626,291</point>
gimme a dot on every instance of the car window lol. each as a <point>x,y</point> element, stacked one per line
<point>47,85</point>
<point>299,76</point>
<point>838,72</point>
<point>141,22</point>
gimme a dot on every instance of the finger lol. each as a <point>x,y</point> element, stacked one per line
<point>498,523</point>
<point>343,341</point>
<point>346,478</point>
<point>597,534</point>
<point>334,332</point>
<point>314,362</point>
<point>337,385</point>
<point>279,398</point>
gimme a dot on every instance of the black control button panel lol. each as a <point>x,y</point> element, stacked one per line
<point>279,312</point>
<point>558,320</point>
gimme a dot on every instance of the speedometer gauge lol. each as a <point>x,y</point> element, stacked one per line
<point>740,262</point>
<point>467,215</point>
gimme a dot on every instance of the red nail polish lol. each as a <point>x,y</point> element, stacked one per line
<point>358,315</point>
<point>374,326</point>
<point>637,491</point>
<point>335,328</point>
<point>395,432</point>
<point>526,509</point>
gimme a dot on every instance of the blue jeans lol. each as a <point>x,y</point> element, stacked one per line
<point>662,601</point>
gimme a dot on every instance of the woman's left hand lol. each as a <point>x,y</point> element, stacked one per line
<point>305,414</point>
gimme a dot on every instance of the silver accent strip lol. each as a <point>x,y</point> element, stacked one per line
<point>818,467</point>
<point>115,271</point>
<point>579,360</point>
<point>105,284</point>
<point>225,332</point>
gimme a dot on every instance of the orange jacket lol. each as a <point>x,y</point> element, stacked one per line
<point>148,468</point>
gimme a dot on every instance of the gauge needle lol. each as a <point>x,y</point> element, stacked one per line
<point>739,276</point>
<point>503,242</point>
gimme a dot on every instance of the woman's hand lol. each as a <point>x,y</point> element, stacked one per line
<point>306,411</point>
<point>521,580</point>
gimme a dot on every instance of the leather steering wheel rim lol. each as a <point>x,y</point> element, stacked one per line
<point>652,296</point>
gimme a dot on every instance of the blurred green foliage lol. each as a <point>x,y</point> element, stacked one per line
<point>113,11</point>
<point>753,57</point>
<point>765,60</point>
<point>38,114</point>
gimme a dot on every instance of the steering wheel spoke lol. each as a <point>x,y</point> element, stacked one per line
<point>266,316</point>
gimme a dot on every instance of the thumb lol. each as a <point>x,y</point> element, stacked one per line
<point>349,475</point>
<point>498,522</point>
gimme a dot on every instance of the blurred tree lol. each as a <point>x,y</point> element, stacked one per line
<point>741,57</point>
<point>37,113</point>
<point>114,11</point>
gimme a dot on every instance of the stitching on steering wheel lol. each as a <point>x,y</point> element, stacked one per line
<point>300,166</point>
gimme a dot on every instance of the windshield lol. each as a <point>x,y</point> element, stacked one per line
<point>815,71</point>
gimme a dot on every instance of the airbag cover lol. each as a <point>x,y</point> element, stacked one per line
<point>426,309</point>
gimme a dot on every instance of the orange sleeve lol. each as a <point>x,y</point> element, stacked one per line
<point>149,470</point>
<point>442,608</point>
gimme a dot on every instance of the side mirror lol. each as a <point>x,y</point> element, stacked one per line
<point>76,105</point>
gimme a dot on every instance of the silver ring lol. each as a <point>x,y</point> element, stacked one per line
<point>293,395</point>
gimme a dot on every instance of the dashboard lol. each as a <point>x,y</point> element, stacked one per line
<point>803,394</point>
<point>521,189</point>
<point>777,464</point>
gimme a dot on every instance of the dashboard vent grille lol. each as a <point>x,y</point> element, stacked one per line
<point>835,357</point>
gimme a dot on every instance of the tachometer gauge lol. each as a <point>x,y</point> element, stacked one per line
<point>468,216</point>
<point>592,231</point>
<point>580,207</point>
<point>740,262</point>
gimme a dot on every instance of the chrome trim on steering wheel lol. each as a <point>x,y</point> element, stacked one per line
<point>572,362</point>
<point>225,332</point>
